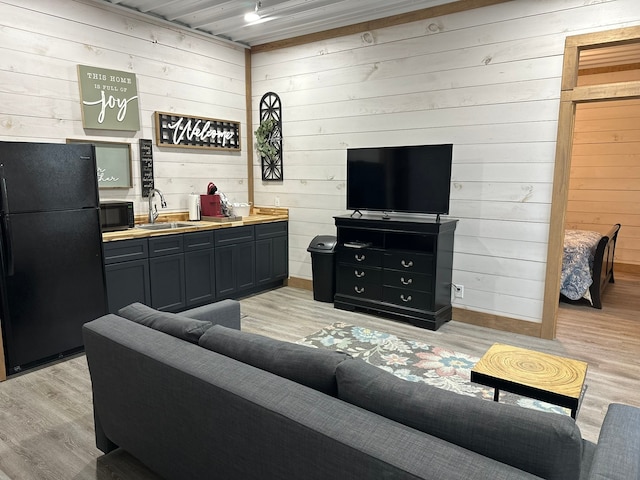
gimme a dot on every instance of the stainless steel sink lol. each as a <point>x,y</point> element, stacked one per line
<point>164,226</point>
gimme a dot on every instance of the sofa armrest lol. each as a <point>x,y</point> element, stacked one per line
<point>224,312</point>
<point>617,455</point>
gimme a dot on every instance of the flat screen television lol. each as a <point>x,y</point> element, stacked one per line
<point>411,179</point>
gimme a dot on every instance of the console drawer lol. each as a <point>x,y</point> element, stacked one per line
<point>408,261</point>
<point>408,280</point>
<point>360,274</point>
<point>407,298</point>
<point>352,287</point>
<point>364,257</point>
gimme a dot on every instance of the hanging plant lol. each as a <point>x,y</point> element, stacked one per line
<point>264,138</point>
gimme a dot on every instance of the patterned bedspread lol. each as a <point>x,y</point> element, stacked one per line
<point>577,263</point>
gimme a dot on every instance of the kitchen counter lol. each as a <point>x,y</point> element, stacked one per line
<point>258,215</point>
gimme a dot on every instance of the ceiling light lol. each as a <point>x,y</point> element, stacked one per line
<point>253,16</point>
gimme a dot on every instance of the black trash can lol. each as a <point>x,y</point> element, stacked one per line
<point>322,267</point>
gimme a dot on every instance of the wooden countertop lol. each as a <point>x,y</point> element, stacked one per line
<point>258,215</point>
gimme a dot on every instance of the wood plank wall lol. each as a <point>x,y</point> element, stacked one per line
<point>487,80</point>
<point>42,42</point>
<point>605,168</point>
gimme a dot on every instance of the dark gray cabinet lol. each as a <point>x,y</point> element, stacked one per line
<point>199,268</point>
<point>166,268</point>
<point>127,273</point>
<point>399,267</point>
<point>272,247</point>
<point>178,271</point>
<point>235,257</point>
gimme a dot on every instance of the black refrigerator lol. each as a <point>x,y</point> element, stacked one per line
<point>52,278</point>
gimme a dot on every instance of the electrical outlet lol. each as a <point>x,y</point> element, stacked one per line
<point>277,202</point>
<point>458,290</point>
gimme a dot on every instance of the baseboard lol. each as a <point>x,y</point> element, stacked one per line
<point>302,283</point>
<point>626,268</point>
<point>497,322</point>
<point>463,315</point>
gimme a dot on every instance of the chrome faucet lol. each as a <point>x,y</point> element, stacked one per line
<point>153,209</point>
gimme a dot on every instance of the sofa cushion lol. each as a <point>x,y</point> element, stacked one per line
<point>545,444</point>
<point>308,366</point>
<point>178,326</point>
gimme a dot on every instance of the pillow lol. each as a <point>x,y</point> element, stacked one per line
<point>185,328</point>
<point>548,445</point>
<point>308,366</point>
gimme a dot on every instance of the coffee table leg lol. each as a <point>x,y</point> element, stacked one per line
<point>496,394</point>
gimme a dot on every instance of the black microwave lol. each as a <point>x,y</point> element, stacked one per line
<point>116,215</point>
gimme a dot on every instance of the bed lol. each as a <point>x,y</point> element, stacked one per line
<point>587,265</point>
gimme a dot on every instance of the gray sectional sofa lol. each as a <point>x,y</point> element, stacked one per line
<point>209,401</point>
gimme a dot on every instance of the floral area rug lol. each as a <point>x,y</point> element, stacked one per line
<point>416,361</point>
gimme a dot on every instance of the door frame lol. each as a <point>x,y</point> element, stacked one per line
<point>571,94</point>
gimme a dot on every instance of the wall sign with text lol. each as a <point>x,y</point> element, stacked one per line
<point>146,166</point>
<point>177,130</point>
<point>109,99</point>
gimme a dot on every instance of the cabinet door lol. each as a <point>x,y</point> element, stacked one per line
<point>127,282</point>
<point>225,278</point>
<point>168,282</point>
<point>280,258</point>
<point>264,261</point>
<point>244,263</point>
<point>199,277</point>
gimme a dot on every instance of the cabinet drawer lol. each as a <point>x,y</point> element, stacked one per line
<point>198,241</point>
<point>269,230</point>
<point>125,250</point>
<point>408,261</point>
<point>360,256</point>
<point>354,288</point>
<point>408,279</point>
<point>407,298</point>
<point>165,245</point>
<point>233,235</point>
<point>360,274</point>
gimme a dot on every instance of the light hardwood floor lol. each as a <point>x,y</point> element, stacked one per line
<point>46,420</point>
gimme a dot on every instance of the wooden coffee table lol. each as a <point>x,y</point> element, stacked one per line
<point>532,374</point>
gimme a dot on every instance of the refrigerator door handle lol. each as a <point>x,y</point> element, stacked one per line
<point>7,254</point>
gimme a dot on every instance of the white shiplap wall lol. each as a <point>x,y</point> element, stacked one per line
<point>486,80</point>
<point>43,41</point>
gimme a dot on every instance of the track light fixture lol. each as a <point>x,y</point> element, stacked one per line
<point>253,16</point>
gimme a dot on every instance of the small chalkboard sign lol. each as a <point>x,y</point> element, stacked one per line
<point>146,166</point>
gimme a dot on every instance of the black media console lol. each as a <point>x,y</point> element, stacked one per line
<point>399,266</point>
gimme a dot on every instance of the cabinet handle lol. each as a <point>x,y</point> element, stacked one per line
<point>358,274</point>
<point>406,264</point>
<point>405,299</point>
<point>406,282</point>
<point>360,258</point>
<point>359,290</point>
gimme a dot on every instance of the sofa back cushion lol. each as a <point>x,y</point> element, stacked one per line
<point>179,326</point>
<point>545,444</point>
<point>308,366</point>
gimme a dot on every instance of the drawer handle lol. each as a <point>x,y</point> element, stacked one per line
<point>405,299</point>
<point>406,264</point>
<point>360,258</point>
<point>406,282</point>
<point>358,274</point>
<point>359,290</point>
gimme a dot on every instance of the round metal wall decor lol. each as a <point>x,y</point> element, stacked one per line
<point>269,137</point>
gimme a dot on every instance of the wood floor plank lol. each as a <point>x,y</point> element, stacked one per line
<point>46,416</point>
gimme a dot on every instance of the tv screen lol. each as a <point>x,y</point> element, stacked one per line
<point>413,179</point>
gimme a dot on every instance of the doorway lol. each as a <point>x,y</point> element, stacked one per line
<point>572,94</point>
